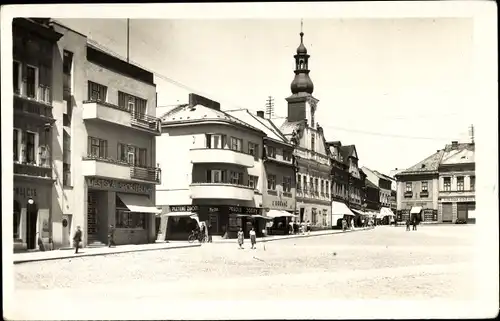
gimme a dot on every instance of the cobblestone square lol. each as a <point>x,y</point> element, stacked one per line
<point>386,263</point>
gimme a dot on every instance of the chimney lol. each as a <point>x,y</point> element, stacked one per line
<point>454,144</point>
<point>195,99</point>
<point>260,113</point>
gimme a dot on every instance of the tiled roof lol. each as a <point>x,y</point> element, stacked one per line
<point>428,165</point>
<point>347,151</point>
<point>368,183</point>
<point>461,154</point>
<point>263,124</point>
<point>287,127</point>
<point>186,113</point>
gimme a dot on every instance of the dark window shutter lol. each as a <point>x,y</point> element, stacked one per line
<point>209,176</point>
<point>209,142</point>
<point>223,176</point>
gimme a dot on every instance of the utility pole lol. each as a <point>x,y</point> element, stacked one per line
<point>471,133</point>
<point>270,107</point>
<point>128,39</point>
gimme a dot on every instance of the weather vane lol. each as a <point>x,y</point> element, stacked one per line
<point>301,24</point>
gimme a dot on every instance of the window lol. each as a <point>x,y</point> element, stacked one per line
<point>16,68</point>
<point>253,149</point>
<point>447,183</point>
<point>271,182</point>
<point>408,188</point>
<point>325,217</point>
<point>31,81</point>
<point>299,182</point>
<point>44,155</point>
<point>216,176</point>
<point>126,219</point>
<point>460,183</point>
<point>97,92</point>
<point>253,181</point>
<point>287,156</point>
<point>424,186</point>
<point>29,156</point>
<point>327,188</point>
<point>15,136</point>
<point>142,157</point>
<point>215,141</point>
<point>236,144</point>
<point>322,190</point>
<point>133,104</point>
<point>97,147</point>
<point>312,119</point>
<point>311,185</point>
<point>287,184</point>
<point>316,186</point>
<point>17,219</point>
<point>236,178</point>
<point>472,183</point>
<point>122,152</point>
<point>314,216</point>
<point>313,141</point>
<point>66,174</point>
<point>67,64</point>
<point>271,152</point>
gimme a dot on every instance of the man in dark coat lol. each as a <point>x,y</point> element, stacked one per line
<point>209,232</point>
<point>111,236</point>
<point>77,238</point>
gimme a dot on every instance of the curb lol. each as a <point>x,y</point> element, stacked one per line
<point>102,254</point>
<point>297,236</point>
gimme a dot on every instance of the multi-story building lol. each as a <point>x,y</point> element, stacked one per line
<point>36,133</point>
<point>417,192</point>
<point>372,200</point>
<point>278,176</point>
<point>356,179</point>
<point>384,183</point>
<point>108,139</point>
<point>311,154</point>
<point>457,182</point>
<point>213,162</point>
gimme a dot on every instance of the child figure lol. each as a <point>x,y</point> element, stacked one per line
<point>253,237</point>
<point>241,237</point>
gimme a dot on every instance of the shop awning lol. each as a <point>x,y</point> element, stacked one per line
<point>277,213</point>
<point>339,208</point>
<point>415,209</point>
<point>386,211</point>
<point>261,216</point>
<point>181,214</point>
<point>138,203</point>
<point>359,212</point>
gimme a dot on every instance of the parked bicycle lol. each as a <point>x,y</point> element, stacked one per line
<point>195,235</point>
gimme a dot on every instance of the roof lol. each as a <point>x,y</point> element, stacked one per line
<point>378,174</point>
<point>348,151</point>
<point>263,124</point>
<point>368,183</point>
<point>186,113</point>
<point>461,154</point>
<point>428,165</point>
<point>288,127</point>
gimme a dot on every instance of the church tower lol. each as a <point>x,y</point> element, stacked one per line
<point>302,88</point>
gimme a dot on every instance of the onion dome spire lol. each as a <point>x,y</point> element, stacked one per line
<point>302,83</point>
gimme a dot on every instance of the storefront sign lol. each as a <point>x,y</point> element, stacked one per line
<point>25,191</point>
<point>280,203</point>
<point>185,208</point>
<point>118,185</point>
<point>243,210</point>
<point>458,199</point>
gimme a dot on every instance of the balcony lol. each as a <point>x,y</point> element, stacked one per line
<point>32,170</point>
<point>221,191</point>
<point>424,194</point>
<point>33,108</point>
<point>225,156</point>
<point>101,167</point>
<point>408,194</point>
<point>106,112</point>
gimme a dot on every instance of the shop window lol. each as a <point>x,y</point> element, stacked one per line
<point>127,219</point>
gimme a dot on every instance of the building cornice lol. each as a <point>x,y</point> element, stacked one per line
<point>217,121</point>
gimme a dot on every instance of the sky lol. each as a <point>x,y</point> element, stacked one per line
<point>399,89</point>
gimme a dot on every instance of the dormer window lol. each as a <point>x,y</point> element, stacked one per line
<point>423,166</point>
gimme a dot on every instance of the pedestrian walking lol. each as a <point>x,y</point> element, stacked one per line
<point>253,238</point>
<point>111,236</point>
<point>203,231</point>
<point>352,224</point>
<point>414,224</point>
<point>209,232</point>
<point>241,238</point>
<point>408,224</point>
<point>291,228</point>
<point>344,224</point>
<point>308,227</point>
<point>77,238</point>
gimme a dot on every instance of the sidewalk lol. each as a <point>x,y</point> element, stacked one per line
<point>67,254</point>
<point>295,236</point>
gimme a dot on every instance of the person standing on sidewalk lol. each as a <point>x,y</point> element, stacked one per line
<point>408,224</point>
<point>209,232</point>
<point>111,236</point>
<point>253,238</point>
<point>308,227</point>
<point>77,238</point>
<point>241,238</point>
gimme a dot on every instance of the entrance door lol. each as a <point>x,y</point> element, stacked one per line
<point>66,230</point>
<point>92,232</point>
<point>302,214</point>
<point>31,219</point>
<point>447,212</point>
<point>462,211</point>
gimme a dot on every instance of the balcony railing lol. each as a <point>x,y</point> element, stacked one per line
<point>424,194</point>
<point>33,170</point>
<point>31,106</point>
<point>145,121</point>
<point>146,174</point>
<point>408,194</point>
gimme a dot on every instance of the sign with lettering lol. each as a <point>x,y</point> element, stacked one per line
<point>458,199</point>
<point>243,210</point>
<point>25,192</point>
<point>185,208</point>
<point>112,184</point>
<point>280,203</point>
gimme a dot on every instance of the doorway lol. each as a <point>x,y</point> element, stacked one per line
<point>31,219</point>
<point>447,212</point>
<point>302,214</point>
<point>66,229</point>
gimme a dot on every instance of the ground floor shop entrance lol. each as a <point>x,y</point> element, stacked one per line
<point>447,212</point>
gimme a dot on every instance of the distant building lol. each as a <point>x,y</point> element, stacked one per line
<point>340,182</point>
<point>313,177</point>
<point>457,183</point>
<point>383,182</point>
<point>212,164</point>
<point>372,196</point>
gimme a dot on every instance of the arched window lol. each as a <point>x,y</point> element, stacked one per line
<point>17,219</point>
